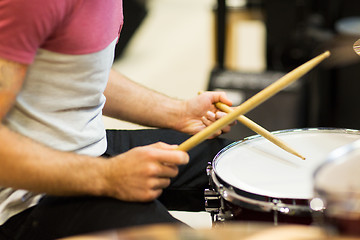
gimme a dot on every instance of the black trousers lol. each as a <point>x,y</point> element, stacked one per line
<point>56,217</point>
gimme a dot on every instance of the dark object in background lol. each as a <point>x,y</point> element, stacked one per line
<point>298,30</point>
<point>283,111</point>
<point>135,12</point>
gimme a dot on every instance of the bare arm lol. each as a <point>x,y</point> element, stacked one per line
<point>132,102</point>
<point>26,164</point>
<point>129,101</point>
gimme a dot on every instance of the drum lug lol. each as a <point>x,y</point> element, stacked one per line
<point>209,168</point>
<point>214,204</point>
<point>223,216</point>
<point>280,207</point>
<point>212,201</point>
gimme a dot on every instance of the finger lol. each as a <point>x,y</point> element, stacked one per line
<point>217,97</point>
<point>160,183</point>
<point>164,146</point>
<point>211,116</point>
<point>220,114</point>
<point>220,97</point>
<point>168,171</point>
<point>206,121</point>
<point>217,133</point>
<point>223,98</point>
<point>226,129</point>
<point>151,194</point>
<point>167,154</point>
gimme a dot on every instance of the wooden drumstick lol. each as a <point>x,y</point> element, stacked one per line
<point>252,102</point>
<point>260,130</point>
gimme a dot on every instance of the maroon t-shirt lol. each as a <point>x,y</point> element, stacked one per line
<point>63,26</point>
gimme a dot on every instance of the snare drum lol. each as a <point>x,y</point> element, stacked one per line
<point>337,189</point>
<point>255,180</point>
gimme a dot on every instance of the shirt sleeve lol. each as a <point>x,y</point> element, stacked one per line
<point>25,25</point>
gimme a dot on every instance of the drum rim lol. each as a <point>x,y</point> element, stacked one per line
<point>323,129</point>
<point>336,157</point>
<point>267,203</point>
<point>228,193</point>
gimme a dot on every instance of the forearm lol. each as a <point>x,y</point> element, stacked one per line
<point>132,102</point>
<point>26,164</point>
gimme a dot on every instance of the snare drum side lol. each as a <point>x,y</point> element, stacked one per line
<point>231,204</point>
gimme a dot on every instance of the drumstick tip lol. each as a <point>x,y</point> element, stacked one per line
<point>298,155</point>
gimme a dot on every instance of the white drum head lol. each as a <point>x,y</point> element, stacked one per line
<point>257,166</point>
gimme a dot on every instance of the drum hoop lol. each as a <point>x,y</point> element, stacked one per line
<point>266,203</point>
<point>322,129</point>
<point>335,157</point>
<point>258,202</point>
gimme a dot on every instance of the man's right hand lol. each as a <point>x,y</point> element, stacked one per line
<point>141,173</point>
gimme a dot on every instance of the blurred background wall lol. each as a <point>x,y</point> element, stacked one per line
<point>179,47</point>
